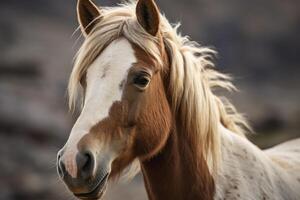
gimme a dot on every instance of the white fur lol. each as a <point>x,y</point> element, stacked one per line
<point>246,172</point>
<point>191,82</point>
<point>103,78</point>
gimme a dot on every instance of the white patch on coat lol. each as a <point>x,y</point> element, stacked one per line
<point>103,79</point>
<point>247,172</point>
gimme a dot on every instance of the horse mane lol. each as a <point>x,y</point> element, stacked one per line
<point>192,76</point>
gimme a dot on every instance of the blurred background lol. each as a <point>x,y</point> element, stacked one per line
<point>258,42</point>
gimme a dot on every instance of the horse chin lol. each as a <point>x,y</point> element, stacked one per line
<point>97,193</point>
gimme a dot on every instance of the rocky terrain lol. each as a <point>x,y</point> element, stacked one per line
<point>258,42</point>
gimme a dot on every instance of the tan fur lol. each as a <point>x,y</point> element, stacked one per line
<point>176,118</point>
<point>192,76</point>
<point>190,143</point>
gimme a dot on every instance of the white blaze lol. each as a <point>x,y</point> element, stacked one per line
<point>103,79</point>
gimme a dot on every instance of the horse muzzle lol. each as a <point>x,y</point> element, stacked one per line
<point>91,176</point>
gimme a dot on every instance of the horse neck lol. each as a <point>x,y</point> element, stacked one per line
<point>177,172</point>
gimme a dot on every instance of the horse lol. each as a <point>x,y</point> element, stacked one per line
<point>148,97</point>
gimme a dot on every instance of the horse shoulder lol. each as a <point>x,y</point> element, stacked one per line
<point>247,172</point>
<point>286,157</point>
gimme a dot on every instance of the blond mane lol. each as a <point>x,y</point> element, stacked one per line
<point>192,76</point>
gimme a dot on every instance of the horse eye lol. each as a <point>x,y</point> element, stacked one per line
<point>141,81</point>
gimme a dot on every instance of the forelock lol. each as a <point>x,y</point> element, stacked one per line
<point>116,22</point>
<point>192,74</point>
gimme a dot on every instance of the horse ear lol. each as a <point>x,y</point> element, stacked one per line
<point>87,13</point>
<point>147,14</point>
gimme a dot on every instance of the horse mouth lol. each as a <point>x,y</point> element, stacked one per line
<point>95,193</point>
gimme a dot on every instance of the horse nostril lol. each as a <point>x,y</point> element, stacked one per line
<point>85,164</point>
<point>61,167</point>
